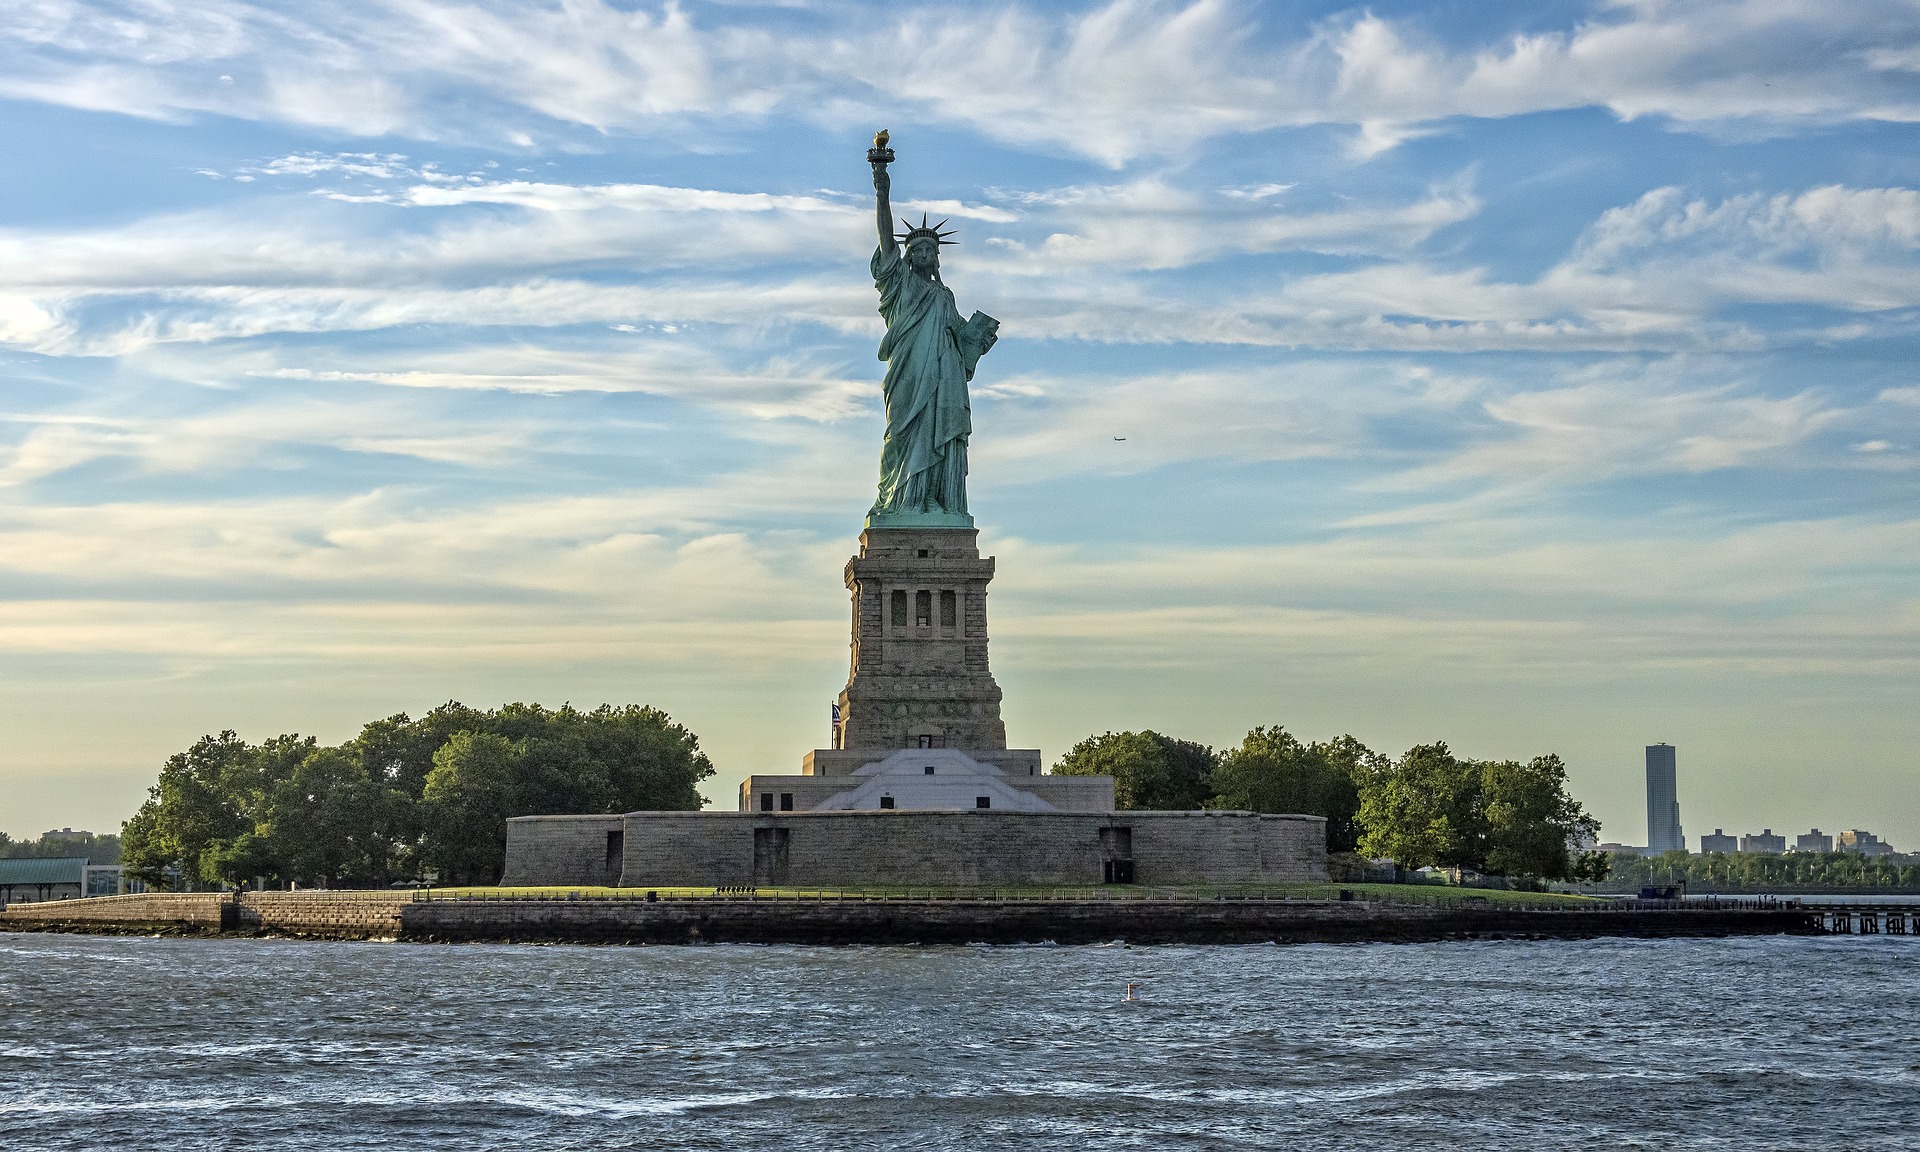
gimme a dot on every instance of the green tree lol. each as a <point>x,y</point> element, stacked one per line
<point>398,751</point>
<point>245,857</point>
<point>1272,771</point>
<point>1531,820</point>
<point>1150,771</point>
<point>1425,810</point>
<point>1593,867</point>
<point>189,813</point>
<point>98,848</point>
<point>323,822</point>
<point>1502,817</point>
<point>403,795</point>
<point>473,788</point>
<point>251,784</point>
<point>657,764</point>
<point>1757,872</point>
<point>612,759</point>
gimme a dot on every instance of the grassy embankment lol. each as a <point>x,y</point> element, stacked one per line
<point>1382,893</point>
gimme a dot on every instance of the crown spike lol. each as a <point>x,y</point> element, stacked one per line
<point>924,231</point>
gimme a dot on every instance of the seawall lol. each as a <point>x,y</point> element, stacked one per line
<point>332,915</point>
<point>759,920</point>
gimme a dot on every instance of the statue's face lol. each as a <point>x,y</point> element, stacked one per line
<point>923,255</point>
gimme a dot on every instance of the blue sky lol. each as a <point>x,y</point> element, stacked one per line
<point>1533,377</point>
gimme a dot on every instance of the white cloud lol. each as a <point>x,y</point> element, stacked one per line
<point>1302,409</point>
<point>1694,63</point>
<point>26,321</point>
<point>1113,81</point>
<point>1152,224</point>
<point>1662,273</point>
<point>1665,273</point>
<point>379,578</point>
<point>276,243</point>
<point>248,435</point>
<point>263,409</point>
<point>1605,424</point>
<point>1104,263</point>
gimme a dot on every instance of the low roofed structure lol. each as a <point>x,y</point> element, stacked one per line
<point>58,878</point>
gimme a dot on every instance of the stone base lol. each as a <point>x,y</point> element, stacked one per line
<point>919,674</point>
<point>919,520</point>
<point>845,761</point>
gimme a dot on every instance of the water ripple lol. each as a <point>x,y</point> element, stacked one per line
<point>273,1044</point>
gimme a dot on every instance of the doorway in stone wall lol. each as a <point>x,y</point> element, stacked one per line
<point>770,855</point>
<point>1116,855</point>
<point>616,848</point>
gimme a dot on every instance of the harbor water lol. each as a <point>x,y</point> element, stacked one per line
<point>1773,1042</point>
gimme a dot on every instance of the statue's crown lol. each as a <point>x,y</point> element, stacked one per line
<point>923,232</point>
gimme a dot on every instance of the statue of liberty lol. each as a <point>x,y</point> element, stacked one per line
<point>930,354</point>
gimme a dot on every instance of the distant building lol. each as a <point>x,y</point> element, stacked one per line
<point>1865,843</point>
<point>1719,841</point>
<point>105,880</point>
<point>1664,833</point>
<point>1623,849</point>
<point>1764,842</point>
<point>30,881</point>
<point>1814,841</point>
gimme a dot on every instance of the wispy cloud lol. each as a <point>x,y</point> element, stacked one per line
<point>1113,81</point>
<point>1668,272</point>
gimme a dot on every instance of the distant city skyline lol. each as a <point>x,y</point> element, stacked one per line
<point>1767,841</point>
<point>1665,832</point>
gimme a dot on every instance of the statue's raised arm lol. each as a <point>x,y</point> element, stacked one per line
<point>880,156</point>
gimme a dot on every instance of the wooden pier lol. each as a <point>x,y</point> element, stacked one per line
<point>1865,919</point>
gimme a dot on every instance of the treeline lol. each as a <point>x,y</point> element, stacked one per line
<point>1755,871</point>
<point>1428,807</point>
<point>100,849</point>
<point>403,800</point>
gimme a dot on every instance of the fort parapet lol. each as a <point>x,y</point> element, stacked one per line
<point>933,848</point>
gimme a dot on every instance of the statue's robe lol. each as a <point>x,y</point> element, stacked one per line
<point>923,466</point>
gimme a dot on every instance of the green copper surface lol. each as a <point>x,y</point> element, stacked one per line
<point>913,519</point>
<point>931,354</point>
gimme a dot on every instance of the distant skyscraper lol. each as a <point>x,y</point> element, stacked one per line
<point>1719,841</point>
<point>1664,833</point>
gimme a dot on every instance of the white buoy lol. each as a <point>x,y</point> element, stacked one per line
<point>1130,987</point>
